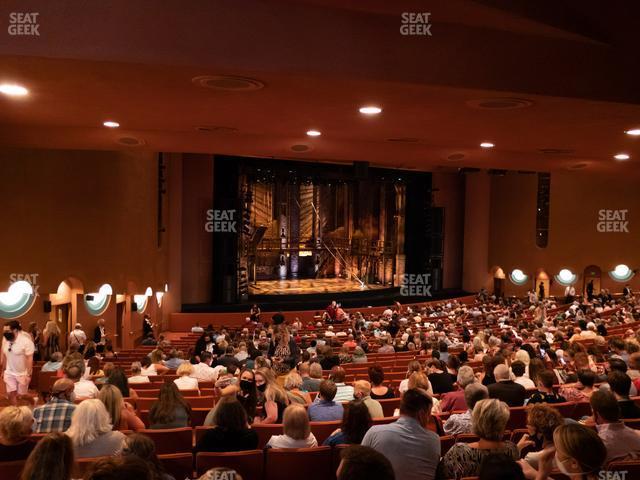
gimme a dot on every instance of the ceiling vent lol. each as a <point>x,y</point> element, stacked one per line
<point>228,83</point>
<point>578,166</point>
<point>556,151</point>
<point>404,140</point>
<point>499,103</point>
<point>464,170</point>
<point>300,148</point>
<point>455,157</point>
<point>130,141</point>
<point>215,129</point>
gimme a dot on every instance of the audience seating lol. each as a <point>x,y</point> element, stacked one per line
<point>11,470</point>
<point>292,464</point>
<point>265,431</point>
<point>323,430</point>
<point>174,440</point>
<point>446,442</point>
<point>389,406</point>
<point>249,464</point>
<point>178,465</point>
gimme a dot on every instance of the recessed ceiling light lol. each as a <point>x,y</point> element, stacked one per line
<point>13,90</point>
<point>314,133</point>
<point>621,156</point>
<point>111,124</point>
<point>370,110</point>
<point>487,145</point>
<point>634,131</point>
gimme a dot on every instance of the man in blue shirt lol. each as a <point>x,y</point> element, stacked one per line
<point>413,450</point>
<point>324,409</point>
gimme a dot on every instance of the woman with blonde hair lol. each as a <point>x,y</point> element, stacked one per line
<point>156,362</point>
<point>185,381</point>
<point>489,421</point>
<point>92,433</point>
<point>123,415</point>
<point>15,428</point>
<point>51,339</point>
<point>297,431</point>
<point>271,396</point>
<point>293,386</point>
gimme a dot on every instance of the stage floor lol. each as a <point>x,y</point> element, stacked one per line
<point>309,286</point>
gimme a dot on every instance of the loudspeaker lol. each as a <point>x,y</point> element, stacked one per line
<point>361,170</point>
<point>134,307</point>
<point>47,306</point>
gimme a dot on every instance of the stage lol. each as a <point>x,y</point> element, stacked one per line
<point>310,286</point>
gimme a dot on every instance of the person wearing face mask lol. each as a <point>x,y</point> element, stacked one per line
<point>271,395</point>
<point>412,449</point>
<point>55,415</point>
<point>16,362</point>
<point>244,391</point>
<point>578,453</point>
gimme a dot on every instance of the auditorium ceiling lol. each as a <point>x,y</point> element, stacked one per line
<point>553,84</point>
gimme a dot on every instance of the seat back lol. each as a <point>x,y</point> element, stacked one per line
<point>446,442</point>
<point>389,405</point>
<point>265,431</point>
<point>288,464</point>
<point>323,430</point>
<point>178,465</point>
<point>249,464</point>
<point>517,418</point>
<point>632,467</point>
<point>172,440</point>
<point>81,466</point>
<point>200,402</point>
<point>11,470</point>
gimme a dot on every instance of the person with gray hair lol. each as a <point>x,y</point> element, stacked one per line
<point>505,389</point>
<point>451,401</point>
<point>136,374</point>
<point>461,422</point>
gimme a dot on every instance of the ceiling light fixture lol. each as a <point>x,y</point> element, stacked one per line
<point>314,133</point>
<point>13,90</point>
<point>621,156</point>
<point>111,124</point>
<point>634,132</point>
<point>370,110</point>
<point>487,145</point>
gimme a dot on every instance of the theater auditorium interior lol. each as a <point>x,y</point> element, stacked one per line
<point>320,239</point>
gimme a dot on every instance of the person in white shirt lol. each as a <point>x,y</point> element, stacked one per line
<point>202,371</point>
<point>345,392</point>
<point>518,369</point>
<point>16,361</point>
<point>297,431</point>
<point>136,376</point>
<point>197,328</point>
<point>148,368</point>
<point>82,388</point>
<point>77,337</point>
<point>185,381</point>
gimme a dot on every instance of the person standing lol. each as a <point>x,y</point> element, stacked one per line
<point>16,361</point>
<point>99,333</point>
<point>51,337</point>
<point>147,326</point>
<point>590,290</point>
<point>569,294</point>
<point>77,338</point>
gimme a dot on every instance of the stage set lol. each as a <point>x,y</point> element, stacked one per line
<point>319,230</point>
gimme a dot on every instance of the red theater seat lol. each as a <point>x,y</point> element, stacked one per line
<point>11,470</point>
<point>173,440</point>
<point>265,431</point>
<point>323,430</point>
<point>446,442</point>
<point>249,464</point>
<point>292,464</point>
<point>389,406</point>
<point>178,465</point>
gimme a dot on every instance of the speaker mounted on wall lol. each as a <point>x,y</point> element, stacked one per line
<point>47,306</point>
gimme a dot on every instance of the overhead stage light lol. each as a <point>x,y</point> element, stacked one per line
<point>313,133</point>
<point>111,124</point>
<point>487,145</point>
<point>13,90</point>
<point>621,156</point>
<point>633,132</point>
<point>370,110</point>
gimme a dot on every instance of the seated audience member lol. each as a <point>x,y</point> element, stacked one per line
<point>156,362</point>
<point>54,364</point>
<point>518,368</point>
<point>15,428</point>
<point>412,449</point>
<point>362,391</point>
<point>345,392</point>
<point>622,442</point>
<point>489,420</point>
<point>174,360</point>
<point>385,346</point>
<point>185,381</point>
<point>123,415</point>
<point>202,371</point>
<point>170,410</point>
<point>293,385</point>
<point>108,370</point>
<point>413,367</point>
<point>545,392</point>
<point>149,340</point>
<point>311,376</point>
<point>440,379</point>
<point>542,421</point>
<point>355,423</point>
<point>55,415</point>
<point>128,467</point>
<point>579,453</point>
<point>620,385</point>
<point>297,431</point>
<point>359,356</point>
<point>142,447</point>
<point>271,396</point>
<point>92,433</point>
<point>506,389</point>
<point>148,368</point>
<point>82,388</point>
<point>455,400</point>
<point>136,374</point>
<point>231,432</point>
<point>327,358</point>
<point>498,466</point>
<point>51,459</point>
<point>363,463</point>
<point>93,370</point>
<point>582,390</point>
<point>244,391</point>
<point>378,390</point>
<point>118,379</point>
<point>461,422</point>
<point>229,358</point>
<point>325,409</point>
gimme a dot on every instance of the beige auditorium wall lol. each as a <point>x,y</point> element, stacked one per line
<point>91,215</point>
<point>574,239</point>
